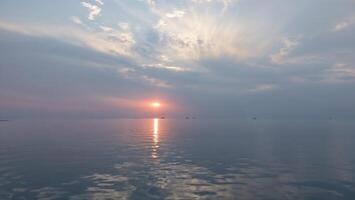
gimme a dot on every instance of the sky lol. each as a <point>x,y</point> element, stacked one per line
<point>203,58</point>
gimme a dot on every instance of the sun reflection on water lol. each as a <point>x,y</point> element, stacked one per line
<point>155,146</point>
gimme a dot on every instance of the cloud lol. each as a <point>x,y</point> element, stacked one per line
<point>100,2</point>
<point>225,3</point>
<point>166,67</point>
<point>76,20</point>
<point>94,10</point>
<point>106,28</point>
<point>344,24</point>
<point>124,26</point>
<point>151,3</point>
<point>175,14</point>
<point>288,46</point>
<point>340,72</point>
<point>199,35</point>
<point>262,88</point>
<point>132,74</point>
<point>113,43</point>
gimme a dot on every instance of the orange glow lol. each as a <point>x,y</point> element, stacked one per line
<point>156,104</point>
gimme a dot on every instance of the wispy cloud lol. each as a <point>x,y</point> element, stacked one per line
<point>124,26</point>
<point>262,88</point>
<point>288,45</point>
<point>151,3</point>
<point>100,2</point>
<point>76,20</point>
<point>94,10</point>
<point>166,67</point>
<point>200,35</point>
<point>340,72</point>
<point>225,3</point>
<point>175,14</point>
<point>132,74</point>
<point>113,43</point>
<point>106,28</point>
<point>344,24</point>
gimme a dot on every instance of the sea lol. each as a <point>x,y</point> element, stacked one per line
<point>146,159</point>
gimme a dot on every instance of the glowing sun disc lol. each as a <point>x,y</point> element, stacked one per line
<point>156,104</point>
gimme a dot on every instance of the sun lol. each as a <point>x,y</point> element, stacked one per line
<point>156,104</point>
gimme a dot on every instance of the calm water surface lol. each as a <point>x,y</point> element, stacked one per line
<point>177,159</point>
